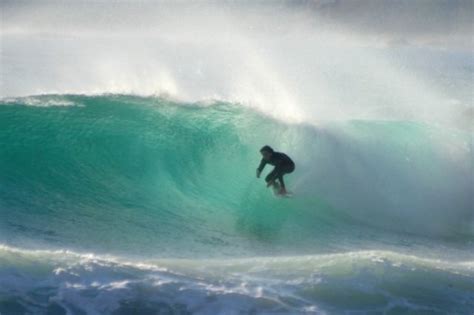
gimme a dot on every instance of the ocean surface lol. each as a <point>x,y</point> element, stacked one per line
<point>130,136</point>
<point>123,204</point>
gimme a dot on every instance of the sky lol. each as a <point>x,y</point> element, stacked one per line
<point>434,23</point>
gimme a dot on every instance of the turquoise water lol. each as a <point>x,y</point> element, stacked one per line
<point>122,204</point>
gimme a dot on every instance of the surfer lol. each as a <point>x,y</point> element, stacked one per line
<point>283,165</point>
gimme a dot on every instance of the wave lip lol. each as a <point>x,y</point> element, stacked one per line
<point>363,281</point>
<point>39,101</point>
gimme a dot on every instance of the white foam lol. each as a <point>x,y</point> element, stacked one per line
<point>40,101</point>
<point>260,263</point>
<point>100,284</point>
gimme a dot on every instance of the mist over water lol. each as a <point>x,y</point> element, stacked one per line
<point>294,62</point>
<point>129,137</point>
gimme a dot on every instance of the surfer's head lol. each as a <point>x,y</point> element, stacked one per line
<point>266,152</point>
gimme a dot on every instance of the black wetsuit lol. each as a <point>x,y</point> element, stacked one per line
<point>283,165</point>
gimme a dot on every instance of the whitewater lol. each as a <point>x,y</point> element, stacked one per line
<point>129,139</point>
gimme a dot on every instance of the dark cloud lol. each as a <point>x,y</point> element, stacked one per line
<point>402,20</point>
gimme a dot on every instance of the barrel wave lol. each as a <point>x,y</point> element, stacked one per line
<point>129,141</point>
<point>155,188</point>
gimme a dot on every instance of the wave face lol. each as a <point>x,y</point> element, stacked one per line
<point>165,194</point>
<point>162,172</point>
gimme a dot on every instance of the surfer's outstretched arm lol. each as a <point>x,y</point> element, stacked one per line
<point>260,167</point>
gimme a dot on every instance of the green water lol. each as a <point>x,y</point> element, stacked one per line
<point>156,181</point>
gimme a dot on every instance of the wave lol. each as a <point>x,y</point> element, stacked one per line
<point>361,281</point>
<point>158,171</point>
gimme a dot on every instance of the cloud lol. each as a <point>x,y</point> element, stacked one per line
<point>436,23</point>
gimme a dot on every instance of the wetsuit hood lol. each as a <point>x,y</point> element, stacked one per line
<point>266,148</point>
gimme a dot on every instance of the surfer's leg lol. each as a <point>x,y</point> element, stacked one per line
<point>285,169</point>
<point>280,179</point>
<point>277,174</point>
<point>272,176</point>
